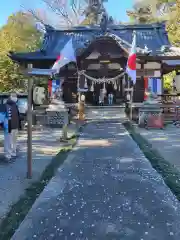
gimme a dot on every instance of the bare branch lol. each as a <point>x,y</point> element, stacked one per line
<point>35,16</point>
<point>58,13</point>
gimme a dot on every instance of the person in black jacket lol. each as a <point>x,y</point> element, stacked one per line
<point>13,121</point>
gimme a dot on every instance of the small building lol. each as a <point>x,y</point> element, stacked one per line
<point>102,51</point>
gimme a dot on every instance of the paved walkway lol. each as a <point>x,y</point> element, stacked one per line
<point>105,112</point>
<point>106,189</point>
<point>166,141</point>
<point>13,181</point>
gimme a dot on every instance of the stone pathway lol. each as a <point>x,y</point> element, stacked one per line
<point>105,112</point>
<point>166,141</point>
<point>13,179</point>
<point>106,189</point>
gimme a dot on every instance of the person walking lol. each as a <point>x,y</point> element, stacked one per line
<point>11,127</point>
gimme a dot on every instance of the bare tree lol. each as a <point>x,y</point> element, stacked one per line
<point>57,13</point>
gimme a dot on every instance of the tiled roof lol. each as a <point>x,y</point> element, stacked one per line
<point>172,52</point>
<point>151,36</point>
<point>38,55</point>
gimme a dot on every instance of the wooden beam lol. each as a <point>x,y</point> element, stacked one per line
<point>148,73</point>
<point>157,58</point>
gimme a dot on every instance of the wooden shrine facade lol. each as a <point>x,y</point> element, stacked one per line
<point>103,54</point>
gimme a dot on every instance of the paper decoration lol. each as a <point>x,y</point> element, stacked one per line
<point>85,83</point>
<point>104,87</point>
<point>115,86</point>
<point>119,87</point>
<point>92,87</point>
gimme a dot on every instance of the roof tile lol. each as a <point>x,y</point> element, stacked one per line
<point>151,36</point>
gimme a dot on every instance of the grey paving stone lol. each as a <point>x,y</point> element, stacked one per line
<point>106,189</point>
<point>166,141</point>
<point>13,181</point>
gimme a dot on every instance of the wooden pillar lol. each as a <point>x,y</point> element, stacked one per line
<point>66,85</point>
<point>29,127</point>
<point>139,88</point>
<point>162,80</point>
<point>143,85</point>
<point>81,104</point>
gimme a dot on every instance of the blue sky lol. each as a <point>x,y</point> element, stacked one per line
<point>116,8</point>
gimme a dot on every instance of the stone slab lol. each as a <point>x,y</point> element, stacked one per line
<point>106,189</point>
<point>13,181</point>
<point>166,141</point>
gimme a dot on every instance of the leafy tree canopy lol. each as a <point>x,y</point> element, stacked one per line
<point>157,11</point>
<point>145,11</point>
<point>173,24</point>
<point>19,34</point>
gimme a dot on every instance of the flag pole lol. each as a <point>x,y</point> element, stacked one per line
<point>80,104</point>
<point>131,103</point>
<point>130,92</point>
<point>132,88</point>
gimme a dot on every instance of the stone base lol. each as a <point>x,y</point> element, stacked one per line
<point>57,114</point>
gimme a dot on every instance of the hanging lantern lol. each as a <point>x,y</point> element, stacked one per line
<point>85,83</point>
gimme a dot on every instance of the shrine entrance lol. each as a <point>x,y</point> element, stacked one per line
<point>92,97</point>
<point>103,64</point>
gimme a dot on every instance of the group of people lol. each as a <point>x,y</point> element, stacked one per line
<point>102,95</point>
<point>10,123</point>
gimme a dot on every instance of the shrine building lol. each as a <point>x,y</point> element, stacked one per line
<point>102,51</point>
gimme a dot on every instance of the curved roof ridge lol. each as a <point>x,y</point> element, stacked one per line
<point>111,27</point>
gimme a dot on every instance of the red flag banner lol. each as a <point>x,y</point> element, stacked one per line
<point>131,63</point>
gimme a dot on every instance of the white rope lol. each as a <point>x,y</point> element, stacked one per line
<point>100,80</point>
